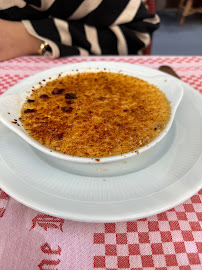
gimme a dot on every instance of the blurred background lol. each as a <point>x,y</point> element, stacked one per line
<point>180,32</point>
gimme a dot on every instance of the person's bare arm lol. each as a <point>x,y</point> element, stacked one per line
<point>16,41</point>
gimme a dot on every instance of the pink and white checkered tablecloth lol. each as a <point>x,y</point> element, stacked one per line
<point>30,240</point>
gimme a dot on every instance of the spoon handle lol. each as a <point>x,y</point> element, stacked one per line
<point>169,70</point>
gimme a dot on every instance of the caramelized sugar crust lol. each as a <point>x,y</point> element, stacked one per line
<point>95,114</point>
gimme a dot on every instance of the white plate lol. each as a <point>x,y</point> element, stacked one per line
<point>171,177</point>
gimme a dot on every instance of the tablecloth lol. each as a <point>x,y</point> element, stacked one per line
<point>31,240</point>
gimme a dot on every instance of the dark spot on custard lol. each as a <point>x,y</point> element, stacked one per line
<point>58,91</point>
<point>70,96</point>
<point>30,100</point>
<point>44,96</point>
<point>67,109</point>
<point>29,111</point>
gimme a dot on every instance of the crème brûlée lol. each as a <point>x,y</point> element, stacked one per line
<point>95,114</point>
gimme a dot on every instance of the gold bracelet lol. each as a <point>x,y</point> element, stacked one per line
<point>43,48</point>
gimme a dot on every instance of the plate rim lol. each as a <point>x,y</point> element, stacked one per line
<point>85,218</point>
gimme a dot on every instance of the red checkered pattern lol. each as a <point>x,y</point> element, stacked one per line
<point>3,202</point>
<point>8,80</point>
<point>170,240</point>
<point>194,81</point>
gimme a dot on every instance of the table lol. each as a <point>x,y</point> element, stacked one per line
<point>31,240</point>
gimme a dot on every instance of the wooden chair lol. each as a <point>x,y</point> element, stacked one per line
<point>188,9</point>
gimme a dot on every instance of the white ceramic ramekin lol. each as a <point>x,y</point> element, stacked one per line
<point>10,107</point>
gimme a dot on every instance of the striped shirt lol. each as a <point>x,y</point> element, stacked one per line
<point>85,27</point>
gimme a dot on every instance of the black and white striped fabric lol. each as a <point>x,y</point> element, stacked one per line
<point>85,27</point>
